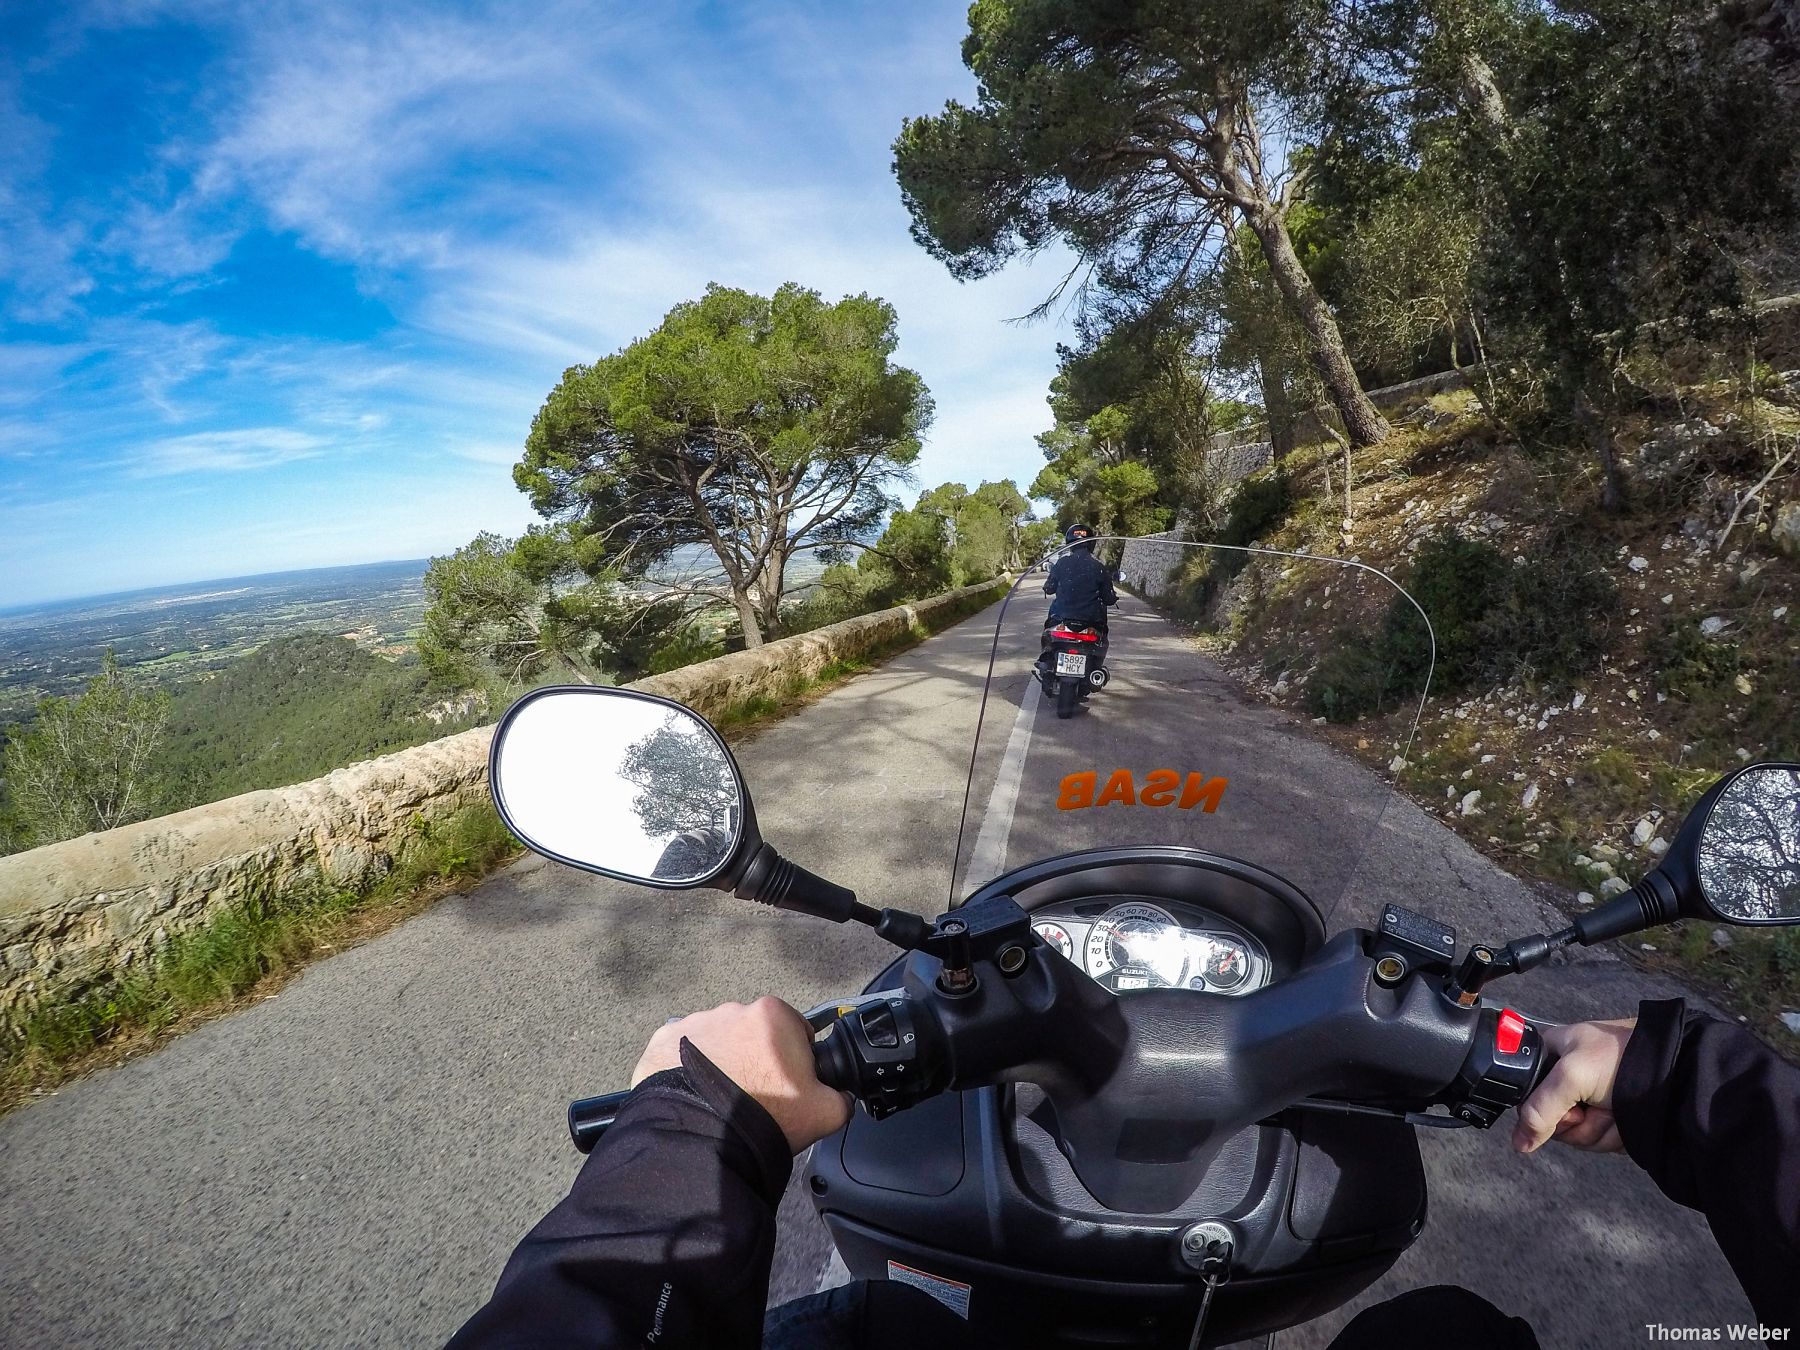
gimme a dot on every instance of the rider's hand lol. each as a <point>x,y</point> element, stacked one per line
<point>765,1048</point>
<point>1574,1102</point>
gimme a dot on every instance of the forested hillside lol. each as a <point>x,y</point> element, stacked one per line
<point>296,708</point>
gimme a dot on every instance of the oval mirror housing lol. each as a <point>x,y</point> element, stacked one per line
<point>620,783</point>
<point>1747,859</point>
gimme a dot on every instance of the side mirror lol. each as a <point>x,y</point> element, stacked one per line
<point>1736,859</point>
<point>641,789</point>
<point>620,783</point>
<point>1747,859</point>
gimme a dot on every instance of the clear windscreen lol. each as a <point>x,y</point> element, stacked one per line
<point>1252,703</point>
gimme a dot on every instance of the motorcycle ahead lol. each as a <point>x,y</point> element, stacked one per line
<point>1128,1091</point>
<point>1074,661</point>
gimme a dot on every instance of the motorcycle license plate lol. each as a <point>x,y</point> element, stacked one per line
<point>1071,663</point>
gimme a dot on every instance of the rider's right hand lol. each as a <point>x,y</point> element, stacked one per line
<point>766,1048</point>
<point>1574,1102</point>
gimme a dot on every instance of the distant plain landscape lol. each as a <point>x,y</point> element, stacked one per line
<point>173,633</point>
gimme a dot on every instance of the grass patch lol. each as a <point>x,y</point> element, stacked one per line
<point>247,950</point>
<point>1757,972</point>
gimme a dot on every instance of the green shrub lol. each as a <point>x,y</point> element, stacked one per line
<point>1261,502</point>
<point>1354,679</point>
<point>1457,581</point>
<point>686,648</point>
<point>1550,620</point>
<point>1691,663</point>
<point>1493,622</point>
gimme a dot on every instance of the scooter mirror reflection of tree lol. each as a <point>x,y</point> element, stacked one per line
<point>1750,848</point>
<point>683,780</point>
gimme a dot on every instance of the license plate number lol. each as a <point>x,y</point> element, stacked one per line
<point>1071,663</point>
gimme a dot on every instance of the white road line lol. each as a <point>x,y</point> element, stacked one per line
<point>989,858</point>
<point>835,1272</point>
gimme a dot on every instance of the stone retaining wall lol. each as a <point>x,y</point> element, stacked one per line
<point>74,912</point>
<point>1145,563</point>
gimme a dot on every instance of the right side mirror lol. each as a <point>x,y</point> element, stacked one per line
<point>1747,848</point>
<point>1736,859</point>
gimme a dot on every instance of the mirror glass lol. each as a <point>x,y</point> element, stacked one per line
<point>613,780</point>
<point>1750,848</point>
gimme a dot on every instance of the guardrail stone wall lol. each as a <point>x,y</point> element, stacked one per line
<point>75,912</point>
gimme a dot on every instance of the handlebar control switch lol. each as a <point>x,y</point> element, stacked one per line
<point>1501,1069</point>
<point>1421,944</point>
<point>879,1053</point>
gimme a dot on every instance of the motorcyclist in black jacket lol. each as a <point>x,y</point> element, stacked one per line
<point>667,1236</point>
<point>1080,587</point>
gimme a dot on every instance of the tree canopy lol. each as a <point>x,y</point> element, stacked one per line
<point>1134,133</point>
<point>86,763</point>
<point>752,427</point>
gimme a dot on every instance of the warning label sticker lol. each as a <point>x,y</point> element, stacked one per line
<point>953,1294</point>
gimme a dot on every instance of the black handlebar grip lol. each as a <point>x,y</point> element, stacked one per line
<point>835,1061</point>
<point>592,1117</point>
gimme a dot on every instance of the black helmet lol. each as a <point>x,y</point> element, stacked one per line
<point>1076,533</point>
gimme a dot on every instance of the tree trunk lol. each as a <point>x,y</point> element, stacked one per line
<point>1276,408</point>
<point>746,610</point>
<point>1362,419</point>
<point>1481,94</point>
<point>1612,484</point>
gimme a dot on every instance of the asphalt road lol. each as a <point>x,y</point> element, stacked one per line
<point>349,1163</point>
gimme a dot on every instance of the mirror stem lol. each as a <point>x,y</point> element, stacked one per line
<point>770,879</point>
<point>1649,903</point>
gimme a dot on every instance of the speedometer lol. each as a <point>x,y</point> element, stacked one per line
<point>1136,946</point>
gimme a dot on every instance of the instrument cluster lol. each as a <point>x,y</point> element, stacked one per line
<point>1134,944</point>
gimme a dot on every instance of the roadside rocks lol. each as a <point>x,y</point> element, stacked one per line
<point>1673,449</point>
<point>1784,533</point>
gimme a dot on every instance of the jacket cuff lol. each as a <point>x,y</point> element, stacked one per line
<point>1640,1090</point>
<point>747,1117</point>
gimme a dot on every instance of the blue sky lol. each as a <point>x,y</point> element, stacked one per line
<point>283,284</point>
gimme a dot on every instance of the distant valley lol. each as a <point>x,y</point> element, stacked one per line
<point>172,633</point>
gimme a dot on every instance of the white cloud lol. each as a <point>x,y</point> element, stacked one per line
<point>232,451</point>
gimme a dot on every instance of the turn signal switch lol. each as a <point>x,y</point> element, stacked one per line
<point>878,1051</point>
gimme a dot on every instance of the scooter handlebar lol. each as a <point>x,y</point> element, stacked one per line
<point>591,1117</point>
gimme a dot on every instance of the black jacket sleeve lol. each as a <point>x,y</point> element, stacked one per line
<point>1713,1115</point>
<point>1107,594</point>
<point>665,1238</point>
